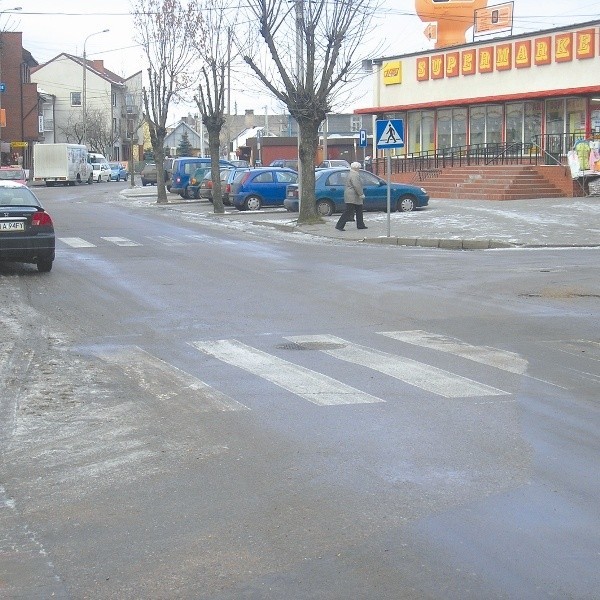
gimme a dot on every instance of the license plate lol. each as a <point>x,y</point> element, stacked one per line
<point>12,226</point>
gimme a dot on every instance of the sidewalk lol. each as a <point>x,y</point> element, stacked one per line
<point>453,224</point>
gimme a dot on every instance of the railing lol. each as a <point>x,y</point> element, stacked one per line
<point>459,156</point>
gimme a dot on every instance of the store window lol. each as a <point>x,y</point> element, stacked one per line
<point>576,116</point>
<point>514,123</point>
<point>555,116</point>
<point>595,112</point>
<point>421,131</point>
<point>444,129</point>
<point>451,127</point>
<point>532,122</point>
<point>493,124</point>
<point>477,125</point>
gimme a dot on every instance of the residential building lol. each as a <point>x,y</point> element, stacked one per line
<point>18,100</point>
<point>113,105</point>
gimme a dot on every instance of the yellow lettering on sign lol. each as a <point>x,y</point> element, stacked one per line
<point>585,44</point>
<point>542,51</point>
<point>523,54</point>
<point>562,47</point>
<point>452,64</point>
<point>503,57</point>
<point>392,72</point>
<point>486,58</point>
<point>423,69</point>
<point>437,67</point>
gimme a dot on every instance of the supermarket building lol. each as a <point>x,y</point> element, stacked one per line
<point>539,92</point>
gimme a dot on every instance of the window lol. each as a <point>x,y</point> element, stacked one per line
<point>75,98</point>
<point>356,123</point>
<point>114,99</point>
<point>264,178</point>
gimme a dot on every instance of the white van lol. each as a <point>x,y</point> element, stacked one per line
<point>100,167</point>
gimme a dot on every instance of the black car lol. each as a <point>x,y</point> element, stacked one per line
<point>26,229</point>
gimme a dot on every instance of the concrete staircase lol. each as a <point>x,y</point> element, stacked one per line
<point>509,182</point>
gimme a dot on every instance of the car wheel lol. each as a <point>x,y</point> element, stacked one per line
<point>197,194</point>
<point>325,208</point>
<point>90,179</point>
<point>144,182</point>
<point>252,203</point>
<point>44,265</point>
<point>406,203</point>
<point>185,194</point>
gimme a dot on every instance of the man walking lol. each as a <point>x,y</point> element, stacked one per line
<point>353,199</point>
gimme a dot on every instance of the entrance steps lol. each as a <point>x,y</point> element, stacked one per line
<point>506,182</point>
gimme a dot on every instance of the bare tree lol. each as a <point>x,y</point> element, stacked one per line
<point>101,136</point>
<point>311,47</point>
<point>214,53</point>
<point>165,29</point>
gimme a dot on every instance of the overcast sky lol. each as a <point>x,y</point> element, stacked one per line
<point>52,27</point>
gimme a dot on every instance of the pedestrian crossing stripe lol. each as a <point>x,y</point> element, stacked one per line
<point>119,241</point>
<point>312,386</point>
<point>420,375</point>
<point>493,357</point>
<point>76,242</point>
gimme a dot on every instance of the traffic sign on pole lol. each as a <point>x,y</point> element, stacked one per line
<point>390,133</point>
<point>362,140</point>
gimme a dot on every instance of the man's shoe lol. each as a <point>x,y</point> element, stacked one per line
<point>363,227</point>
<point>339,228</point>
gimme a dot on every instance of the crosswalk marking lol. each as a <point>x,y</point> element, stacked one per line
<point>315,387</point>
<point>500,359</point>
<point>119,241</point>
<point>167,241</point>
<point>166,381</point>
<point>76,242</point>
<point>410,371</point>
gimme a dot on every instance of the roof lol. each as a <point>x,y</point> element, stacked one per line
<point>96,66</point>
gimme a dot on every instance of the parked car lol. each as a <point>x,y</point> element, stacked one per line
<point>26,229</point>
<point>240,164</point>
<point>206,185</point>
<point>285,163</point>
<point>148,174</point>
<point>265,186</point>
<point>118,172</point>
<point>13,174</point>
<point>184,168</point>
<point>329,192</point>
<point>328,164</point>
<point>101,168</point>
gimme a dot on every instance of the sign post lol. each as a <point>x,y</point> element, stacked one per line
<point>390,134</point>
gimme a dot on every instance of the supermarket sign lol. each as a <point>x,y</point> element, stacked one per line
<point>520,54</point>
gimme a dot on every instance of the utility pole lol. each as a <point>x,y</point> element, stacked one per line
<point>299,81</point>
<point>228,92</point>
<point>84,99</point>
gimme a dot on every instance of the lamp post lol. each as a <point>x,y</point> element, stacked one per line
<point>7,10</point>
<point>84,99</point>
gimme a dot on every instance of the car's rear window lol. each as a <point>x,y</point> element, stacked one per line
<point>17,196</point>
<point>12,174</point>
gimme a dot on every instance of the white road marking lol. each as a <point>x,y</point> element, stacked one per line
<point>310,385</point>
<point>167,382</point>
<point>119,241</point>
<point>167,241</point>
<point>76,242</point>
<point>500,359</point>
<point>410,371</point>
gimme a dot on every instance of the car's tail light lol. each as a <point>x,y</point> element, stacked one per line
<point>193,181</point>
<point>209,184</point>
<point>228,188</point>
<point>41,219</point>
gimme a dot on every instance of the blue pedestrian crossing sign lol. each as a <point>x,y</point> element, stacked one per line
<point>390,133</point>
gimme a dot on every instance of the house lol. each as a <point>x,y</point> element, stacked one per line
<point>113,105</point>
<point>18,101</point>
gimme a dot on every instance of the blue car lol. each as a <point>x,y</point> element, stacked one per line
<point>329,193</point>
<point>265,186</point>
<point>118,172</point>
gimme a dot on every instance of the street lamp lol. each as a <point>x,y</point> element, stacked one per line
<point>84,86</point>
<point>6,10</point>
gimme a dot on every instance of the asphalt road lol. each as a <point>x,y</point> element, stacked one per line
<point>195,408</point>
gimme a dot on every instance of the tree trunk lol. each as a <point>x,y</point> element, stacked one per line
<point>159,159</point>
<point>307,150</point>
<point>214,145</point>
